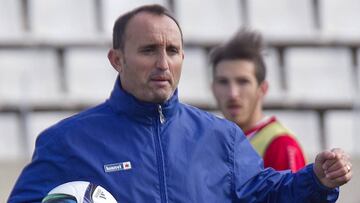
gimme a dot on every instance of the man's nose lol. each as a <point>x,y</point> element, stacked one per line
<point>232,91</point>
<point>162,61</point>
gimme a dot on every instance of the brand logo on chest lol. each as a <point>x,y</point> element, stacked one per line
<point>108,168</point>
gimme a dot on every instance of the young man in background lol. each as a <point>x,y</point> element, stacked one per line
<point>239,86</point>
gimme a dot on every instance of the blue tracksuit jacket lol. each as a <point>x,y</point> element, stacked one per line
<point>171,152</point>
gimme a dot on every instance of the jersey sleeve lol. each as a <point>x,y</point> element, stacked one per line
<point>283,153</point>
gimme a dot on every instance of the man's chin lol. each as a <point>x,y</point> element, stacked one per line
<point>162,97</point>
<point>234,114</point>
<point>234,118</point>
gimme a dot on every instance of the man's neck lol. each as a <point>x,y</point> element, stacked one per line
<point>255,121</point>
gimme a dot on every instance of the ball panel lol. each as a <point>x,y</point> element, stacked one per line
<point>59,198</point>
<point>100,195</point>
<point>79,192</point>
<point>74,188</point>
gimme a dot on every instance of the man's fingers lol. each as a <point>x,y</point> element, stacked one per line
<point>330,164</point>
<point>323,156</point>
<point>341,180</point>
<point>337,172</point>
<point>335,164</point>
<point>338,168</point>
<point>333,168</point>
<point>339,156</point>
<point>320,160</point>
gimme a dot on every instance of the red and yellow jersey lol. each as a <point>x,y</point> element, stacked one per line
<point>277,145</point>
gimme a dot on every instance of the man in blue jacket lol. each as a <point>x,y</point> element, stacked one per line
<point>143,145</point>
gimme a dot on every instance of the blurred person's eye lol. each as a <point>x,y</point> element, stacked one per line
<point>222,81</point>
<point>242,81</point>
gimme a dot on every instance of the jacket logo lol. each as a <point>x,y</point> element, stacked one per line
<point>108,168</point>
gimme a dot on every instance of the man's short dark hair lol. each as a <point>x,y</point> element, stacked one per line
<point>121,23</point>
<point>247,45</point>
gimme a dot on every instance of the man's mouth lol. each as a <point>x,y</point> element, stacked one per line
<point>160,80</point>
<point>233,109</point>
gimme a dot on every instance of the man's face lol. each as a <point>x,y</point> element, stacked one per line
<point>150,63</point>
<point>237,91</point>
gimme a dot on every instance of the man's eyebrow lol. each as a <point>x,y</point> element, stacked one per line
<point>149,45</point>
<point>174,46</point>
<point>220,77</point>
<point>154,45</point>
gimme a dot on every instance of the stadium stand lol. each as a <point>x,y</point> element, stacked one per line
<point>89,75</point>
<point>297,24</point>
<point>203,21</point>
<point>23,74</point>
<point>338,19</point>
<point>10,20</point>
<point>195,69</point>
<point>328,70</point>
<point>276,90</point>
<point>10,147</point>
<point>48,22</point>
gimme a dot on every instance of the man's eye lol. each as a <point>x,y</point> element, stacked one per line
<point>222,82</point>
<point>173,50</point>
<point>148,49</point>
<point>242,81</point>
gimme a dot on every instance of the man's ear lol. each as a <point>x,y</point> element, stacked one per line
<point>115,58</point>
<point>264,86</point>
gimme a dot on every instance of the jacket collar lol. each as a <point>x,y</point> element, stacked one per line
<point>123,102</point>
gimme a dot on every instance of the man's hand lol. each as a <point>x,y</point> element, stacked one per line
<point>333,168</point>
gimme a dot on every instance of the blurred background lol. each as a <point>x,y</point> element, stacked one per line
<point>53,63</point>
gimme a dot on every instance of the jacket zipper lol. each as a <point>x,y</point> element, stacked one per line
<point>161,115</point>
<point>160,157</point>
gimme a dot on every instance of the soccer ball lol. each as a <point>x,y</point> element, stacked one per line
<point>79,192</point>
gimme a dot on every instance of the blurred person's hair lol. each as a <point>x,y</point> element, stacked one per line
<point>121,23</point>
<point>245,45</point>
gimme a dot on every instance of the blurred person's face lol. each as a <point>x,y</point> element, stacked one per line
<point>150,63</point>
<point>238,94</point>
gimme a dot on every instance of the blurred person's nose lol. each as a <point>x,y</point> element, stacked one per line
<point>233,91</point>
